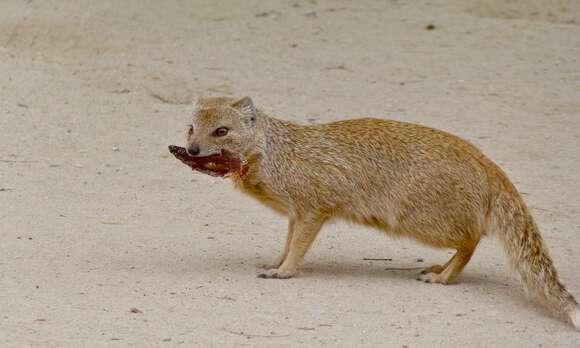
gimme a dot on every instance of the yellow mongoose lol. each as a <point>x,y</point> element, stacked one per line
<point>404,179</point>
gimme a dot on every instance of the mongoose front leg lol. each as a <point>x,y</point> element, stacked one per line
<point>304,232</point>
<point>280,259</point>
<point>453,268</point>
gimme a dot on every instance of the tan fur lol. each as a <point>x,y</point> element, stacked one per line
<point>404,179</point>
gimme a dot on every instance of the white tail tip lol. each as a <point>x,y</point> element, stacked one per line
<point>575,316</point>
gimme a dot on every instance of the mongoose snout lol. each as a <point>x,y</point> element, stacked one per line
<point>193,150</point>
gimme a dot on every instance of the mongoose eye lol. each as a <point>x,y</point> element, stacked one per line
<point>220,132</point>
<point>190,130</point>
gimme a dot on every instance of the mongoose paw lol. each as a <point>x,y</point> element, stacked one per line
<point>269,266</point>
<point>277,263</point>
<point>432,277</point>
<point>433,269</point>
<point>276,273</point>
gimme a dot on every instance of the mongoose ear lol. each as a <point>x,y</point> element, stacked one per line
<point>245,105</point>
<point>197,104</point>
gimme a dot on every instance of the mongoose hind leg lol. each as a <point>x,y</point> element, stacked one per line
<point>304,231</point>
<point>451,269</point>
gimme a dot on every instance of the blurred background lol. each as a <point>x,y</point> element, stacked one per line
<point>108,241</point>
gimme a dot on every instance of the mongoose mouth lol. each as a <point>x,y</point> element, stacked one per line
<point>223,164</point>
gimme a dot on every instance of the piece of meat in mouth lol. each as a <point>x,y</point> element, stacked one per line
<point>221,164</point>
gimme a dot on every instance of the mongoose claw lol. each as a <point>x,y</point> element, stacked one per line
<point>276,273</point>
<point>431,277</point>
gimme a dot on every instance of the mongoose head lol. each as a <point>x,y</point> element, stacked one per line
<point>221,124</point>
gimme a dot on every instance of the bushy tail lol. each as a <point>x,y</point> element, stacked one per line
<point>529,255</point>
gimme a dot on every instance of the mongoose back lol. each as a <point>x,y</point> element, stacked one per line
<point>401,178</point>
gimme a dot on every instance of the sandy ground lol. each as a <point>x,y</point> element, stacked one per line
<point>106,241</point>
